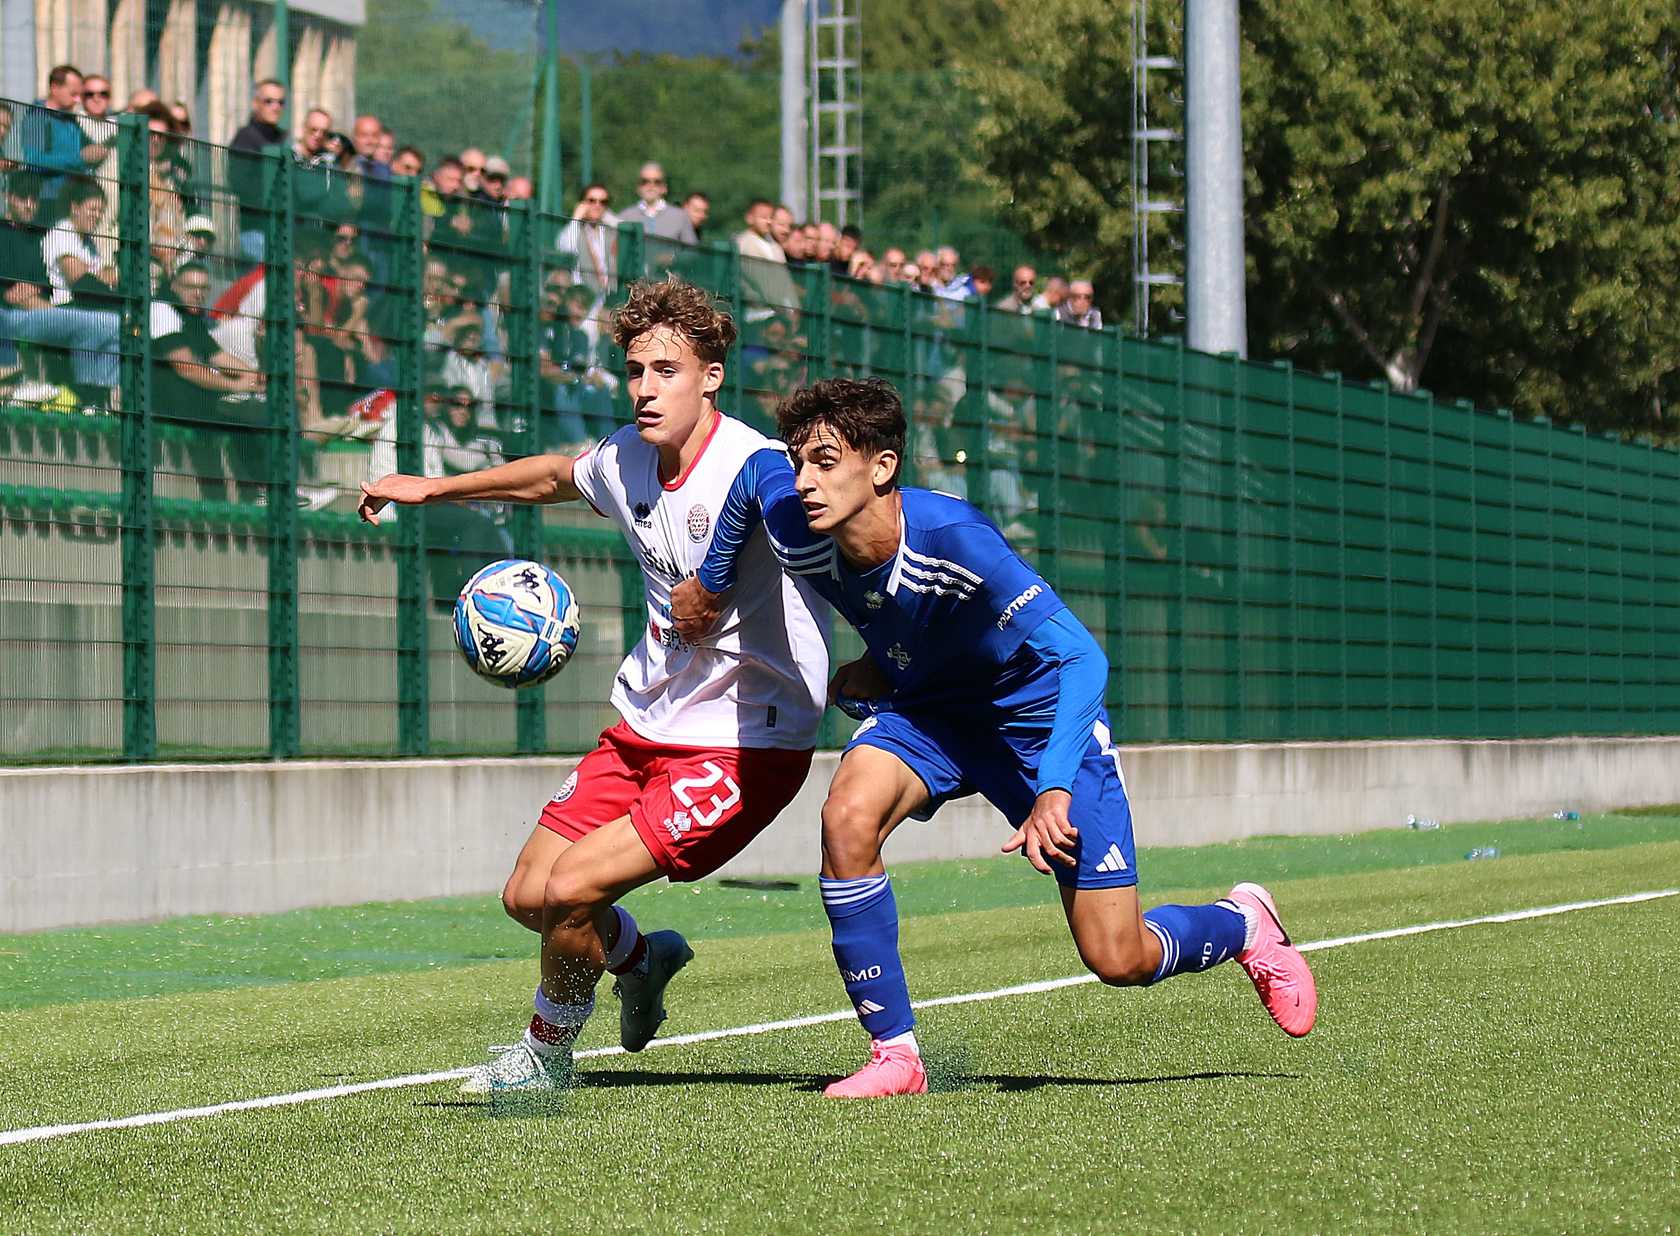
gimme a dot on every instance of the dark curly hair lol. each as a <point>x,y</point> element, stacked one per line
<point>686,309</point>
<point>866,413</point>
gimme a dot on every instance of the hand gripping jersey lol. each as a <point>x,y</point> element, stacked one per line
<point>760,678</point>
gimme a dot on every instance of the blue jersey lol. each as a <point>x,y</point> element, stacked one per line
<point>943,617</point>
<point>950,618</point>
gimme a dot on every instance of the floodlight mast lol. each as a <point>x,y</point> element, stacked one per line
<point>1216,290</point>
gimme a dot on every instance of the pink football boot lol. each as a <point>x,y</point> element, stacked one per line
<point>1280,973</point>
<point>895,1069</point>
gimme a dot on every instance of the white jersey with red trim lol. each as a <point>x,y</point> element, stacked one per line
<point>760,678</point>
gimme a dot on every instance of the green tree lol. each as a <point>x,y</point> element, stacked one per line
<point>1480,197</point>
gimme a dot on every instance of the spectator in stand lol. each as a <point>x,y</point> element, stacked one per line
<point>794,245</point>
<point>408,161</point>
<point>654,213</point>
<point>198,384</point>
<point>377,202</point>
<point>78,272</point>
<point>782,224</point>
<point>1055,291</point>
<point>466,365</point>
<point>439,196</point>
<point>828,239</point>
<point>245,171</point>
<point>810,239</point>
<point>181,117</point>
<point>53,144</point>
<point>168,211</point>
<point>27,314</point>
<point>385,147</point>
<point>577,388</point>
<point>472,170</point>
<point>698,207</point>
<point>493,184</point>
<point>1078,309</point>
<point>521,189</point>
<point>199,242</point>
<point>99,129</point>
<point>591,239</point>
<point>366,135</point>
<point>927,270</point>
<point>864,267</point>
<point>892,264</point>
<point>311,148</point>
<point>982,279</point>
<point>444,311</point>
<point>947,282</point>
<point>1020,297</point>
<point>848,243</point>
<point>138,101</point>
<point>765,281</point>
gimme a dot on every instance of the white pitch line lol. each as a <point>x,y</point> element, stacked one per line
<point>15,1137</point>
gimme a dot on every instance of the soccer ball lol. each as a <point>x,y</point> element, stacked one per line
<point>517,623</point>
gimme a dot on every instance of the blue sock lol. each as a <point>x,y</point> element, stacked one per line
<point>864,917</point>
<point>1195,937</point>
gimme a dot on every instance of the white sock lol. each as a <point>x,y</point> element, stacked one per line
<point>1251,920</point>
<point>907,1039</point>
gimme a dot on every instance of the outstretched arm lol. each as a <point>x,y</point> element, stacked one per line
<point>1081,681</point>
<point>538,478</point>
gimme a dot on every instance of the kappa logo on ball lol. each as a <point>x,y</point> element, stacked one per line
<point>699,523</point>
<point>567,790</point>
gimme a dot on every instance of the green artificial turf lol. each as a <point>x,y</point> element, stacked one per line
<point>1512,1077</point>
<point>201,954</point>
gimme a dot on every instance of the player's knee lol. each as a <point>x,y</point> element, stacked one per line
<point>568,900</point>
<point>851,837</point>
<point>522,898</point>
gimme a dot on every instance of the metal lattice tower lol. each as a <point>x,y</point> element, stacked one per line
<point>1148,139</point>
<point>836,94</point>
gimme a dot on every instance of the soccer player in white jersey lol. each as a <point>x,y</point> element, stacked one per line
<point>716,736</point>
<point>982,681</point>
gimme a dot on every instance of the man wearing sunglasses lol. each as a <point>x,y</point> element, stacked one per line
<point>245,169</point>
<point>591,240</point>
<point>658,216</point>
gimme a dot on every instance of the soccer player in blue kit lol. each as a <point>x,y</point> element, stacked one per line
<point>978,679</point>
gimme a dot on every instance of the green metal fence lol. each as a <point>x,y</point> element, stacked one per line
<point>1266,554</point>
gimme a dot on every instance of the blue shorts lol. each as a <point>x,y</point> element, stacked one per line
<point>954,762</point>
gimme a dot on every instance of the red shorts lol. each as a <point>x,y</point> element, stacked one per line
<point>695,808</point>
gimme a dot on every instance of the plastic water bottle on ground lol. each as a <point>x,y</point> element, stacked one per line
<point>1421,824</point>
<point>1483,851</point>
<point>1566,815</point>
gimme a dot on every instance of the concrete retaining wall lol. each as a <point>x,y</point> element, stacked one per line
<point>94,845</point>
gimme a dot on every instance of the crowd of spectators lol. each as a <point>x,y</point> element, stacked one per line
<point>210,318</point>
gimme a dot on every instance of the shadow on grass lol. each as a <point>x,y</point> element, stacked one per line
<point>941,1082</point>
<point>1011,1083</point>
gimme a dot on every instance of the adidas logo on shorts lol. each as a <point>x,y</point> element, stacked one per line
<point>1113,860</point>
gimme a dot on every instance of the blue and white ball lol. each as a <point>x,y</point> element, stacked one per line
<point>517,623</point>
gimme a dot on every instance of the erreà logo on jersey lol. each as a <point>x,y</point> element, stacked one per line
<point>699,523</point>
<point>1017,605</point>
<point>567,790</point>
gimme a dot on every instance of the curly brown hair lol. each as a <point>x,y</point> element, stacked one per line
<point>686,309</point>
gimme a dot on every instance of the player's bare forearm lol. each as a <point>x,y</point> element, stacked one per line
<point>536,479</point>
<point>694,608</point>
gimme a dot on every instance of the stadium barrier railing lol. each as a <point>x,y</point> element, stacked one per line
<point>1266,554</point>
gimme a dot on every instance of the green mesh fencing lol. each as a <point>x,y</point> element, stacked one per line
<point>243,340</point>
